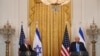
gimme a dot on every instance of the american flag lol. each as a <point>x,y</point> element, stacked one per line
<point>65,44</point>
<point>21,38</point>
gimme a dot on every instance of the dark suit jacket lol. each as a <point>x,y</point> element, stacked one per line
<point>23,48</point>
<point>73,47</point>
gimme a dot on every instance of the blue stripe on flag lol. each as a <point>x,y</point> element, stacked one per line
<point>37,32</point>
<point>81,33</point>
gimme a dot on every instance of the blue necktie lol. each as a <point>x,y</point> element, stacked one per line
<point>77,47</point>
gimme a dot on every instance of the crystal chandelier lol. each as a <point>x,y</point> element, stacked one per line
<point>55,3</point>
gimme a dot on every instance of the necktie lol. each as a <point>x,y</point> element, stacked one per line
<point>77,47</point>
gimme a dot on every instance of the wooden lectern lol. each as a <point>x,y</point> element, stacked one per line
<point>81,53</point>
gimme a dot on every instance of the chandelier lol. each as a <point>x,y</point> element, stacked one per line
<point>55,3</point>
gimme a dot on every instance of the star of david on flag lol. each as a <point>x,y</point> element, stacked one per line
<point>37,45</point>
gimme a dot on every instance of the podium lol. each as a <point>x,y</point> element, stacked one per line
<point>81,53</point>
<point>27,53</point>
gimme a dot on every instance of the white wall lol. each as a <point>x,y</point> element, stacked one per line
<point>15,11</point>
<point>84,11</point>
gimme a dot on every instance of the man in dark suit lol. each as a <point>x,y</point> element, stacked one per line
<point>26,49</point>
<point>77,43</point>
<point>77,46</point>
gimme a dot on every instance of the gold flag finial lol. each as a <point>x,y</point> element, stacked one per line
<point>66,22</point>
<point>36,24</point>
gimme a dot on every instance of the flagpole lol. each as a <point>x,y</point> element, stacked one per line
<point>37,45</point>
<point>65,43</point>
<point>21,22</point>
<point>36,24</point>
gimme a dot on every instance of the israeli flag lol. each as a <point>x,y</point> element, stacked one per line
<point>37,45</point>
<point>81,35</point>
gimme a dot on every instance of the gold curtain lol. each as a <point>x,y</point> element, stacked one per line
<point>51,25</point>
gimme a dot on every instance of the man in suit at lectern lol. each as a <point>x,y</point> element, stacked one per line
<point>77,46</point>
<point>27,47</point>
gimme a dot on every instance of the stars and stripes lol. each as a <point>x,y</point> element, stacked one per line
<point>65,44</point>
<point>21,39</point>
